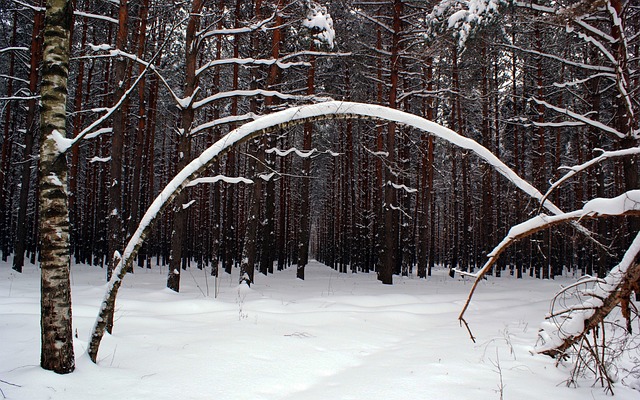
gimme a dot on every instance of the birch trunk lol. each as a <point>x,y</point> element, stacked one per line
<point>57,339</point>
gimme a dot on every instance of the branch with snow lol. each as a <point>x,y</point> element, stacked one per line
<point>219,178</point>
<point>626,204</point>
<point>223,121</point>
<point>594,161</point>
<point>299,153</point>
<point>402,187</point>
<point>567,326</point>
<point>255,92</point>
<point>581,118</point>
<point>234,31</point>
<point>251,61</point>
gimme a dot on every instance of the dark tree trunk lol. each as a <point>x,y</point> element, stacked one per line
<point>32,109</point>
<point>178,234</point>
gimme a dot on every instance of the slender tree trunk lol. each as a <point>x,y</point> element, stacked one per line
<point>116,236</point>
<point>74,211</point>
<point>138,159</point>
<point>178,234</point>
<point>305,206</point>
<point>57,337</point>
<point>390,240</point>
<point>7,144</point>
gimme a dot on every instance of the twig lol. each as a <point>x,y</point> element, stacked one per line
<point>463,321</point>
<point>9,383</point>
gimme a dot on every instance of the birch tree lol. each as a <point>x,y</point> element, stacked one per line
<point>57,336</point>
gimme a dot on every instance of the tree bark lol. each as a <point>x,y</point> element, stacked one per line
<point>305,205</point>
<point>184,146</point>
<point>116,236</point>
<point>57,338</point>
<point>32,110</point>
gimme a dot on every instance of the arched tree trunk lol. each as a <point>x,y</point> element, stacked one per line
<point>333,110</point>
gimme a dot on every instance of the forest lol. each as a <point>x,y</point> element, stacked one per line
<point>549,89</point>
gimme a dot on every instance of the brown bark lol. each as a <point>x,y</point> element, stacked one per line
<point>74,212</point>
<point>139,152</point>
<point>7,144</point>
<point>32,110</point>
<point>116,234</point>
<point>388,259</point>
<point>178,235</point>
<point>305,204</point>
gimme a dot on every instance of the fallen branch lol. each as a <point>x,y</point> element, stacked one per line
<point>624,205</point>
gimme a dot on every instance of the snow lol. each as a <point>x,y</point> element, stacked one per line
<point>54,180</point>
<point>100,47</point>
<point>220,178</point>
<point>62,143</point>
<point>300,153</point>
<point>100,159</point>
<point>319,21</point>
<point>338,336</point>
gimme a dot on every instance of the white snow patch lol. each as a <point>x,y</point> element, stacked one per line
<point>62,143</point>
<point>331,336</point>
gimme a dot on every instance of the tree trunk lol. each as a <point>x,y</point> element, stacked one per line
<point>57,337</point>
<point>184,147</point>
<point>7,144</point>
<point>390,232</point>
<point>32,109</point>
<point>116,236</point>
<point>305,206</point>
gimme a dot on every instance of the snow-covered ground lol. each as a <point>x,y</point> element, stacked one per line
<point>333,336</point>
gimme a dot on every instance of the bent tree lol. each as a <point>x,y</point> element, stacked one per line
<point>332,110</point>
<point>56,329</point>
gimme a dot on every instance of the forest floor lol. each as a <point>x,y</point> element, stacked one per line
<point>333,336</point>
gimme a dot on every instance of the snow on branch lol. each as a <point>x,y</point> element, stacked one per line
<point>95,16</point>
<point>374,20</point>
<point>234,31</point>
<point>223,121</point>
<point>13,49</point>
<point>568,325</point>
<point>582,118</point>
<point>256,92</point>
<point>220,178</point>
<point>580,22</point>
<point>85,133</point>
<point>626,204</point>
<point>594,161</point>
<point>398,208</point>
<point>299,153</point>
<point>581,81</point>
<point>112,53</point>
<point>251,61</point>
<point>15,78</point>
<point>401,187</point>
<point>590,67</point>
<point>34,8</point>
<point>12,98</point>
<point>315,54</point>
